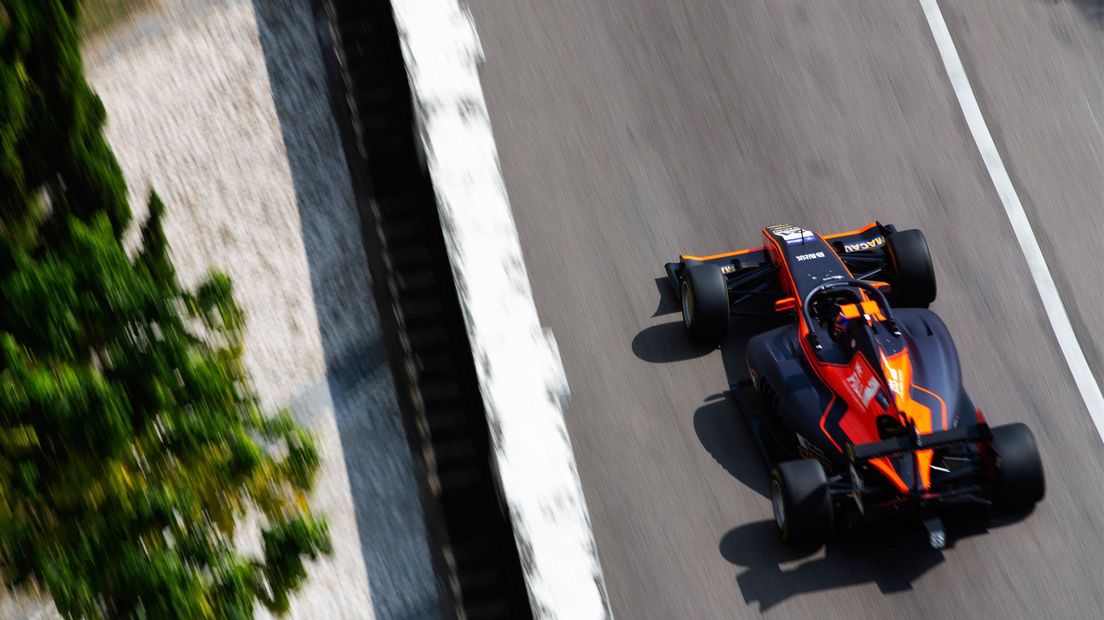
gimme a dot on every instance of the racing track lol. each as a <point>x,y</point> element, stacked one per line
<point>632,130</point>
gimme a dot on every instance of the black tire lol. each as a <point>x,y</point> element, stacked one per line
<point>911,262</point>
<point>801,502</point>
<point>1019,470</point>
<point>705,308</point>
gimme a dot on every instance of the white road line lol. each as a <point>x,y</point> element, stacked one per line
<point>1036,263</point>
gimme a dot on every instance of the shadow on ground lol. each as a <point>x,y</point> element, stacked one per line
<point>772,573</point>
<point>892,555</point>
<point>1093,10</point>
<point>665,343</point>
<point>668,303</point>
<point>358,383</point>
<point>717,422</point>
<point>728,440</point>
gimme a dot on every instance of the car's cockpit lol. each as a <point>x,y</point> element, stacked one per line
<point>850,316</point>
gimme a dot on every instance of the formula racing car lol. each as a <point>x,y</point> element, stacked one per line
<point>856,399</point>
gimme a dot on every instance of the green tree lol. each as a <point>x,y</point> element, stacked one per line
<point>131,442</point>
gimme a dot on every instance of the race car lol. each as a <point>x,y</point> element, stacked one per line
<point>855,395</point>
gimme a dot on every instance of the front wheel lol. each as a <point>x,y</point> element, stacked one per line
<point>801,502</point>
<point>705,307</point>
<point>914,284</point>
<point>1019,470</point>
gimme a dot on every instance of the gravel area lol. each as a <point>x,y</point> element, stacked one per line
<point>220,105</point>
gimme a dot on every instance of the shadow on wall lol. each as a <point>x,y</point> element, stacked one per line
<point>376,454</point>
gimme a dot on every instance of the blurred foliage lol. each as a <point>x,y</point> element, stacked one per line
<point>131,443</point>
<point>98,15</point>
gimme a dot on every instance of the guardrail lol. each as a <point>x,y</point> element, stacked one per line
<point>483,388</point>
<point>508,522</point>
<point>474,555</point>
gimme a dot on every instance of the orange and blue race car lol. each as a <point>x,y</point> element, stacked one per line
<point>856,399</point>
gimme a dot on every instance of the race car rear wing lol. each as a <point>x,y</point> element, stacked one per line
<point>912,441</point>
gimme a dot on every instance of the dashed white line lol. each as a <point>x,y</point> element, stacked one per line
<point>1036,262</point>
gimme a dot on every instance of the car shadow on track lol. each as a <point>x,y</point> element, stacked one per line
<point>892,555</point>
<point>666,343</point>
<point>668,303</point>
<point>717,423</point>
<point>773,572</point>
<point>728,440</point>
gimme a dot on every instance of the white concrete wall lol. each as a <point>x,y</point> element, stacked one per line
<point>519,370</point>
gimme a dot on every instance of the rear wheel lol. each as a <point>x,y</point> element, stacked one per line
<point>912,266</point>
<point>1019,472</point>
<point>705,303</point>
<point>801,502</point>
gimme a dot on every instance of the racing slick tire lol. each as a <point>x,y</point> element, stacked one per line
<point>1019,472</point>
<point>912,265</point>
<point>801,502</point>
<point>705,307</point>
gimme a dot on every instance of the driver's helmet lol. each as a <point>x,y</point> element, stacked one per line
<point>866,311</point>
<point>842,323</point>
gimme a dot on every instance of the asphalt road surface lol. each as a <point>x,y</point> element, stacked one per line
<point>632,130</point>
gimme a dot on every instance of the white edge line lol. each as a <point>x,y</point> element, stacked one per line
<point>518,366</point>
<point>1036,263</point>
